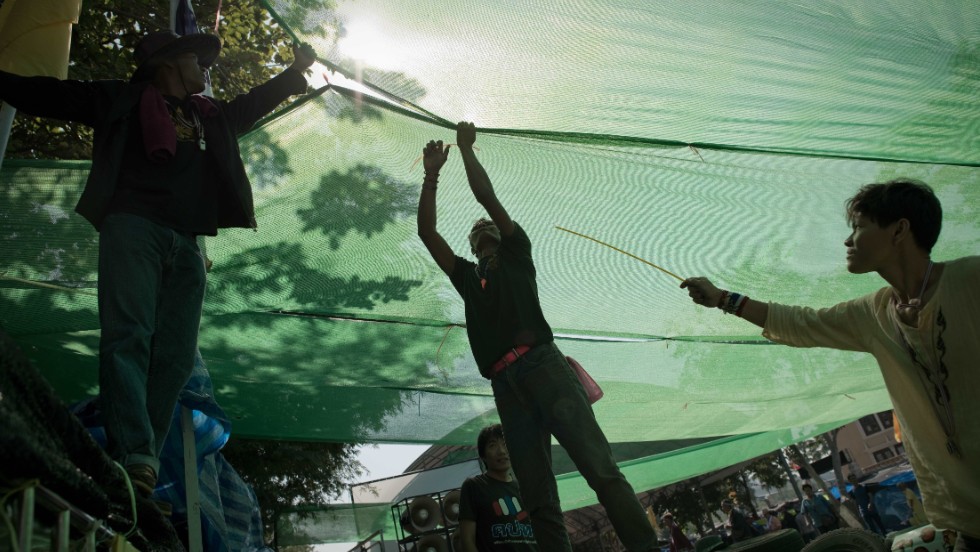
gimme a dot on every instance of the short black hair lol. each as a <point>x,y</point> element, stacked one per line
<point>482,222</point>
<point>807,486</point>
<point>487,434</point>
<point>901,198</point>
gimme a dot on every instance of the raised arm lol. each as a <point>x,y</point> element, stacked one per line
<point>246,109</point>
<point>703,292</point>
<point>479,181</point>
<point>433,158</point>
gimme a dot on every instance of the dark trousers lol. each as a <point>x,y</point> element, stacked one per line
<point>873,521</point>
<point>540,396</point>
<point>151,289</point>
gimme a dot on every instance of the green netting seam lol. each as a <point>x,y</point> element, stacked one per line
<point>563,334</point>
<point>47,164</point>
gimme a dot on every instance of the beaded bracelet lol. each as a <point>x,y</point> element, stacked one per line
<point>430,182</point>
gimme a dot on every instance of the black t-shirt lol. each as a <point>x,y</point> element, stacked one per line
<point>181,193</point>
<point>506,312</point>
<point>495,506</point>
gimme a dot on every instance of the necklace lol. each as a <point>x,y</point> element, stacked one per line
<point>195,123</point>
<point>935,373</point>
<point>482,268</point>
<point>914,305</point>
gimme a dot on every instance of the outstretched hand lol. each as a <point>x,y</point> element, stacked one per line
<point>702,291</point>
<point>434,156</point>
<point>465,134</point>
<point>303,57</point>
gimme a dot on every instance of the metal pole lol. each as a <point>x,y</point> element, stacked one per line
<point>63,531</point>
<point>26,518</point>
<point>195,539</point>
<point>7,112</point>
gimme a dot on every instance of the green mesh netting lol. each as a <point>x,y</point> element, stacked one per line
<point>331,322</point>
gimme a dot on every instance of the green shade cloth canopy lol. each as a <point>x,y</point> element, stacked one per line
<point>714,138</point>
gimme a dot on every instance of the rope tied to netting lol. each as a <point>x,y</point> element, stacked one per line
<point>696,152</point>
<point>445,336</point>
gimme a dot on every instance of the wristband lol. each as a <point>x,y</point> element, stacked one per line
<point>732,303</point>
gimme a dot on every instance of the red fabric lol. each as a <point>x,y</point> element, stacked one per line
<point>592,389</point>
<point>159,133</point>
<point>678,540</point>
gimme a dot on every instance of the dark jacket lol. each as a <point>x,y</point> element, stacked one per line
<point>108,106</point>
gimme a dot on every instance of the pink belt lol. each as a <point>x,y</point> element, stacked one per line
<point>511,357</point>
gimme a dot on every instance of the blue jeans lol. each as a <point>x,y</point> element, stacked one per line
<point>537,397</point>
<point>151,289</point>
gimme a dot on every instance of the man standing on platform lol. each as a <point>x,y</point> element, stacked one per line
<point>165,169</point>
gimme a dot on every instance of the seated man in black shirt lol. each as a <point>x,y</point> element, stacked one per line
<point>492,517</point>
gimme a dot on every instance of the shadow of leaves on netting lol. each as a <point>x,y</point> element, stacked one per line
<point>307,385</point>
<point>267,273</point>
<point>267,163</point>
<point>364,199</point>
<point>396,83</point>
<point>360,112</point>
<point>43,241</point>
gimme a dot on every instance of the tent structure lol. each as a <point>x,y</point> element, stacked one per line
<point>712,138</point>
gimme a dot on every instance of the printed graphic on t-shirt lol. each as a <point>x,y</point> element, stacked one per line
<point>509,506</point>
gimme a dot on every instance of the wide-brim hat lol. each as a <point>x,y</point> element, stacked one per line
<point>162,45</point>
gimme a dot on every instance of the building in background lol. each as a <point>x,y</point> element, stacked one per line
<point>870,443</point>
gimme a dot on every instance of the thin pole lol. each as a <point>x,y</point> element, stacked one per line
<point>7,113</point>
<point>627,253</point>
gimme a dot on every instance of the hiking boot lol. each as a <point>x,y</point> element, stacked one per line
<point>143,477</point>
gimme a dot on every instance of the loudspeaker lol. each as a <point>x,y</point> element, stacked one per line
<point>456,541</point>
<point>450,508</point>
<point>422,515</point>
<point>432,543</point>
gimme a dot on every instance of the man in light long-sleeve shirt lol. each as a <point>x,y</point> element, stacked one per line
<point>923,329</point>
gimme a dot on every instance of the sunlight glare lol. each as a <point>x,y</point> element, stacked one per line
<point>364,42</point>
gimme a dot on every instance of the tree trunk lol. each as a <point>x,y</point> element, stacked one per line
<point>790,474</point>
<point>710,511</point>
<point>843,513</point>
<point>748,493</point>
<point>831,439</point>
